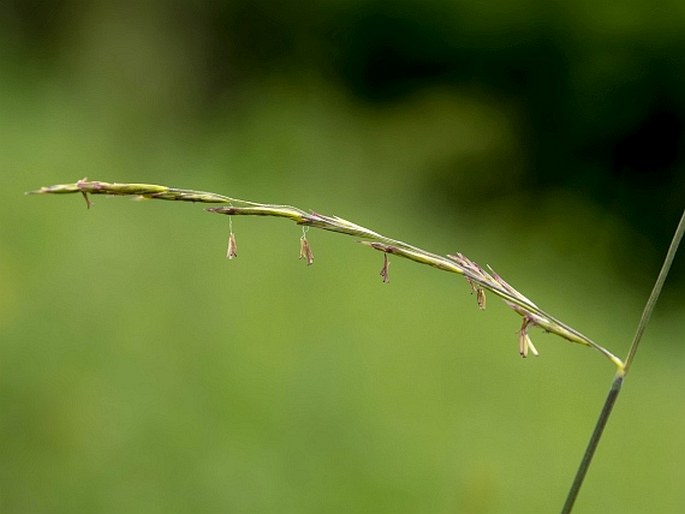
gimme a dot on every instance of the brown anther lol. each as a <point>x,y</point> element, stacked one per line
<point>525,343</point>
<point>306,251</point>
<point>89,204</point>
<point>232,251</point>
<point>480,293</point>
<point>385,268</point>
<point>79,184</point>
<point>480,298</point>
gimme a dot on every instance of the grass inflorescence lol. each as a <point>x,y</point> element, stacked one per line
<point>479,279</point>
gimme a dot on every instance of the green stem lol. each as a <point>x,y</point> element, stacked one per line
<point>656,292</point>
<point>618,380</point>
<point>593,443</point>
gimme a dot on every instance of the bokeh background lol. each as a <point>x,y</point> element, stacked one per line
<point>140,371</point>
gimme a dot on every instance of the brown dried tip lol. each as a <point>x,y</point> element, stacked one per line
<point>232,251</point>
<point>385,268</point>
<point>306,251</point>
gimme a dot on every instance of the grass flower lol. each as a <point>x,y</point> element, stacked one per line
<point>478,278</point>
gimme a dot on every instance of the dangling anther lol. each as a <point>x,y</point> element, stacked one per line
<point>89,203</point>
<point>480,293</point>
<point>480,298</point>
<point>305,249</point>
<point>384,270</point>
<point>525,344</point>
<point>232,251</point>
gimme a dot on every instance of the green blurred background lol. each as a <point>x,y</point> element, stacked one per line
<point>142,372</point>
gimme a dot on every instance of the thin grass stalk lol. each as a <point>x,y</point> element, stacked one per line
<point>615,389</point>
<point>477,277</point>
<point>597,432</point>
<point>656,292</point>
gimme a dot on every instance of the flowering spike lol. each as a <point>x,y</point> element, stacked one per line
<point>483,278</point>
